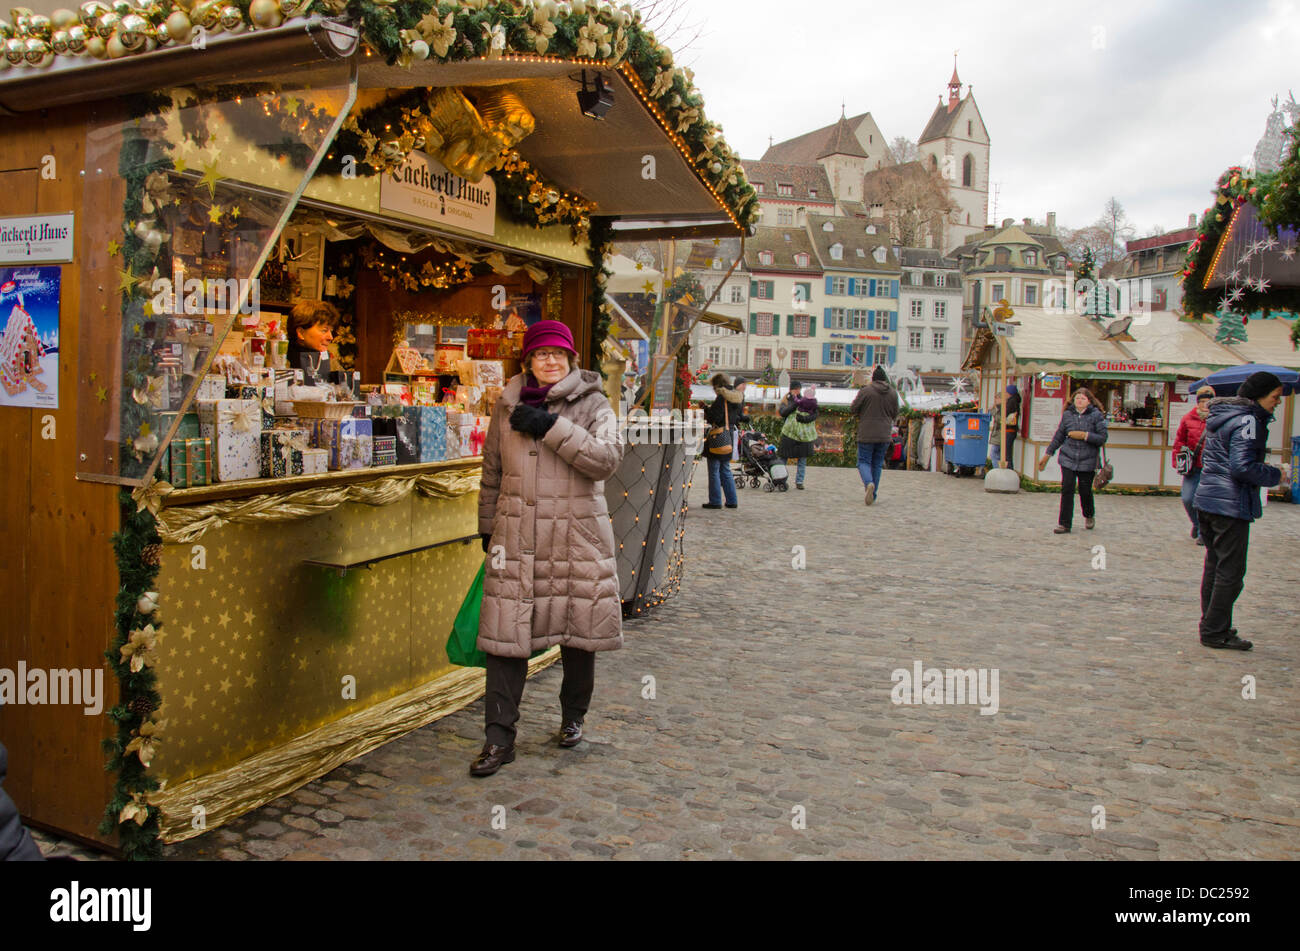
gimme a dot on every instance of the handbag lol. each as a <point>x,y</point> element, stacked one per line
<point>462,645</point>
<point>1185,457</point>
<point>718,440</point>
<point>1104,474</point>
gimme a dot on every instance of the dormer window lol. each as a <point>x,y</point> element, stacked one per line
<point>861,253</point>
<point>828,227</point>
<point>871,229</point>
<point>765,258</point>
<point>812,193</point>
<point>717,264</point>
<point>1002,257</point>
<point>837,252</point>
<point>801,259</point>
<point>758,187</point>
<point>787,190</point>
<point>1031,258</point>
<point>880,254</point>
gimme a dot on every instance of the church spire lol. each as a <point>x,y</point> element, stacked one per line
<point>954,86</point>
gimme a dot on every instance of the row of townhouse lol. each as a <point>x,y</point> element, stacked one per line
<point>828,298</point>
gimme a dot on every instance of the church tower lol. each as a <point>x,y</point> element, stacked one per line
<point>956,142</point>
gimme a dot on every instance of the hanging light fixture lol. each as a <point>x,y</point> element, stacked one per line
<point>598,101</point>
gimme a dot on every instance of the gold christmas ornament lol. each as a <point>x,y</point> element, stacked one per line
<point>39,26</point>
<point>96,47</point>
<point>179,27</point>
<point>265,14</point>
<point>292,8</point>
<point>161,34</point>
<point>77,39</point>
<point>207,15</point>
<point>420,49</point>
<point>64,19</point>
<point>131,31</point>
<point>59,42</point>
<point>107,25</point>
<point>123,7</point>
<point>90,12</point>
<point>114,48</point>
<point>232,21</point>
<point>36,52</point>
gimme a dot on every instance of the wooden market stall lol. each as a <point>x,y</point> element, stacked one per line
<point>1141,377</point>
<point>425,181</point>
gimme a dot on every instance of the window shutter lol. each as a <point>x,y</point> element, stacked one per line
<point>770,286</point>
<point>870,359</point>
<point>893,288</point>
<point>812,325</point>
<point>872,288</point>
<point>826,354</point>
<point>828,283</point>
<point>753,288</point>
<point>892,352</point>
<point>893,325</point>
<point>826,317</point>
<point>789,325</point>
<point>853,285</point>
<point>753,323</point>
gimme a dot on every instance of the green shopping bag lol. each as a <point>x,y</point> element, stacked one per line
<point>462,646</point>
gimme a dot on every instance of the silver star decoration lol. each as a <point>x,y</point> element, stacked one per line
<point>1235,296</point>
<point>1261,285</point>
<point>1269,243</point>
<point>1246,256</point>
<point>1225,304</point>
<point>1288,253</point>
<point>1234,274</point>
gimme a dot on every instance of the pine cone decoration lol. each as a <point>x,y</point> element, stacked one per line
<point>142,706</point>
<point>151,555</point>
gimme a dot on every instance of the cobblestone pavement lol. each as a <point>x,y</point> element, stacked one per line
<point>772,733</point>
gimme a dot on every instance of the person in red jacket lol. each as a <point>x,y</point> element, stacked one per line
<point>1191,435</point>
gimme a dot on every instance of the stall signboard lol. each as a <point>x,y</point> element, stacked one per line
<point>422,187</point>
<point>1046,408</point>
<point>38,239</point>
<point>29,344</point>
<point>1122,366</point>
<point>663,375</point>
<point>1177,410</point>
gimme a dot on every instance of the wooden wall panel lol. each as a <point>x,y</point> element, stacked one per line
<point>62,616</point>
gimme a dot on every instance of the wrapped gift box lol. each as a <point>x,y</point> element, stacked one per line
<point>189,462</point>
<point>315,461</point>
<point>487,373</point>
<point>331,434</point>
<point>408,437</point>
<point>384,459</point>
<point>234,426</point>
<point>430,423</point>
<point>385,445</point>
<point>212,387</point>
<point>265,396</point>
<point>188,428</point>
<point>282,452</point>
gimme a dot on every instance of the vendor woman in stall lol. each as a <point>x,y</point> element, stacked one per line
<point>311,330</point>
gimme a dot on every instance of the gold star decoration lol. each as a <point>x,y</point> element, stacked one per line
<point>210,178</point>
<point>291,106</point>
<point>125,281</point>
<point>179,164</point>
<point>148,309</point>
<point>649,287</point>
<point>214,214</point>
<point>235,212</point>
<point>101,394</point>
<point>113,248</point>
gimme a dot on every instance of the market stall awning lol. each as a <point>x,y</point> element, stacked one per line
<point>1269,341</point>
<point>709,317</point>
<point>630,277</point>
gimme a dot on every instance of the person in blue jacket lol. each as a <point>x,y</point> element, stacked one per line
<point>1080,436</point>
<point>1227,500</point>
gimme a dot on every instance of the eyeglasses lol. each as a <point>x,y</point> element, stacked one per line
<point>550,355</point>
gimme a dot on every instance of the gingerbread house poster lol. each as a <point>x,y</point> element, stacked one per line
<point>29,337</point>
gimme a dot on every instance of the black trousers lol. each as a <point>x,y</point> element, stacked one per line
<point>505,691</point>
<point>1226,540</point>
<point>1069,478</point>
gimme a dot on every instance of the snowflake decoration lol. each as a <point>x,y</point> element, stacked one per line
<point>1288,253</point>
<point>1226,303</point>
<point>1261,285</point>
<point>1269,244</point>
<point>1234,274</point>
<point>1235,296</point>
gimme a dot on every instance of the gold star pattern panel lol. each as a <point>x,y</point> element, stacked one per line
<point>258,647</point>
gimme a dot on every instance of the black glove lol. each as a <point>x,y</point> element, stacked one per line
<point>531,420</point>
<point>487,542</point>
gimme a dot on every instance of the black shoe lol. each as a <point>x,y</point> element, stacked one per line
<point>799,485</point>
<point>1061,530</point>
<point>1089,523</point>
<point>491,759</point>
<point>732,505</point>
<point>710,505</point>
<point>1232,643</point>
<point>570,734</point>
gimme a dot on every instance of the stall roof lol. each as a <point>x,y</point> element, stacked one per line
<point>1163,346</point>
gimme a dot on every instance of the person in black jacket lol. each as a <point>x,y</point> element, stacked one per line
<point>310,331</point>
<point>798,434</point>
<point>1080,437</point>
<point>727,411</point>
<point>1227,500</point>
<point>876,407</point>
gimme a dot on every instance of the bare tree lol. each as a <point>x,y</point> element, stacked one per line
<point>913,199</point>
<point>669,21</point>
<point>903,150</point>
<point>1090,237</point>
<point>1117,228</point>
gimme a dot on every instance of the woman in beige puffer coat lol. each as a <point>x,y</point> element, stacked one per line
<point>551,575</point>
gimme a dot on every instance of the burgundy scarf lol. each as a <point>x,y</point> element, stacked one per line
<point>532,394</point>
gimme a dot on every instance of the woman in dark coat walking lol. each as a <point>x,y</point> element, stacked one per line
<point>1080,437</point>
<point>798,433</point>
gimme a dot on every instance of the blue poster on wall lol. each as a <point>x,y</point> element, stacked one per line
<point>29,343</point>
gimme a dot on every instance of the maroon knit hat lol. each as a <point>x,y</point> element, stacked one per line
<point>548,333</point>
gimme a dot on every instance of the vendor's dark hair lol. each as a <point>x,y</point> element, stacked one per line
<point>306,314</point>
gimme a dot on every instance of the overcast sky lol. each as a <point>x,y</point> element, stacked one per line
<point>1146,100</point>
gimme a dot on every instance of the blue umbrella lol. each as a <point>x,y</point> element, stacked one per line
<point>1226,382</point>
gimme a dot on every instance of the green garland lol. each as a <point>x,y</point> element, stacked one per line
<point>600,246</point>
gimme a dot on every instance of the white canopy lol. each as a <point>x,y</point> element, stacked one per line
<point>626,279</point>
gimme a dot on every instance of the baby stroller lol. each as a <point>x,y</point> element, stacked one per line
<point>759,464</point>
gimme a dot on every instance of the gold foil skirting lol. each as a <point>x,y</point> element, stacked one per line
<point>185,524</point>
<point>225,795</point>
